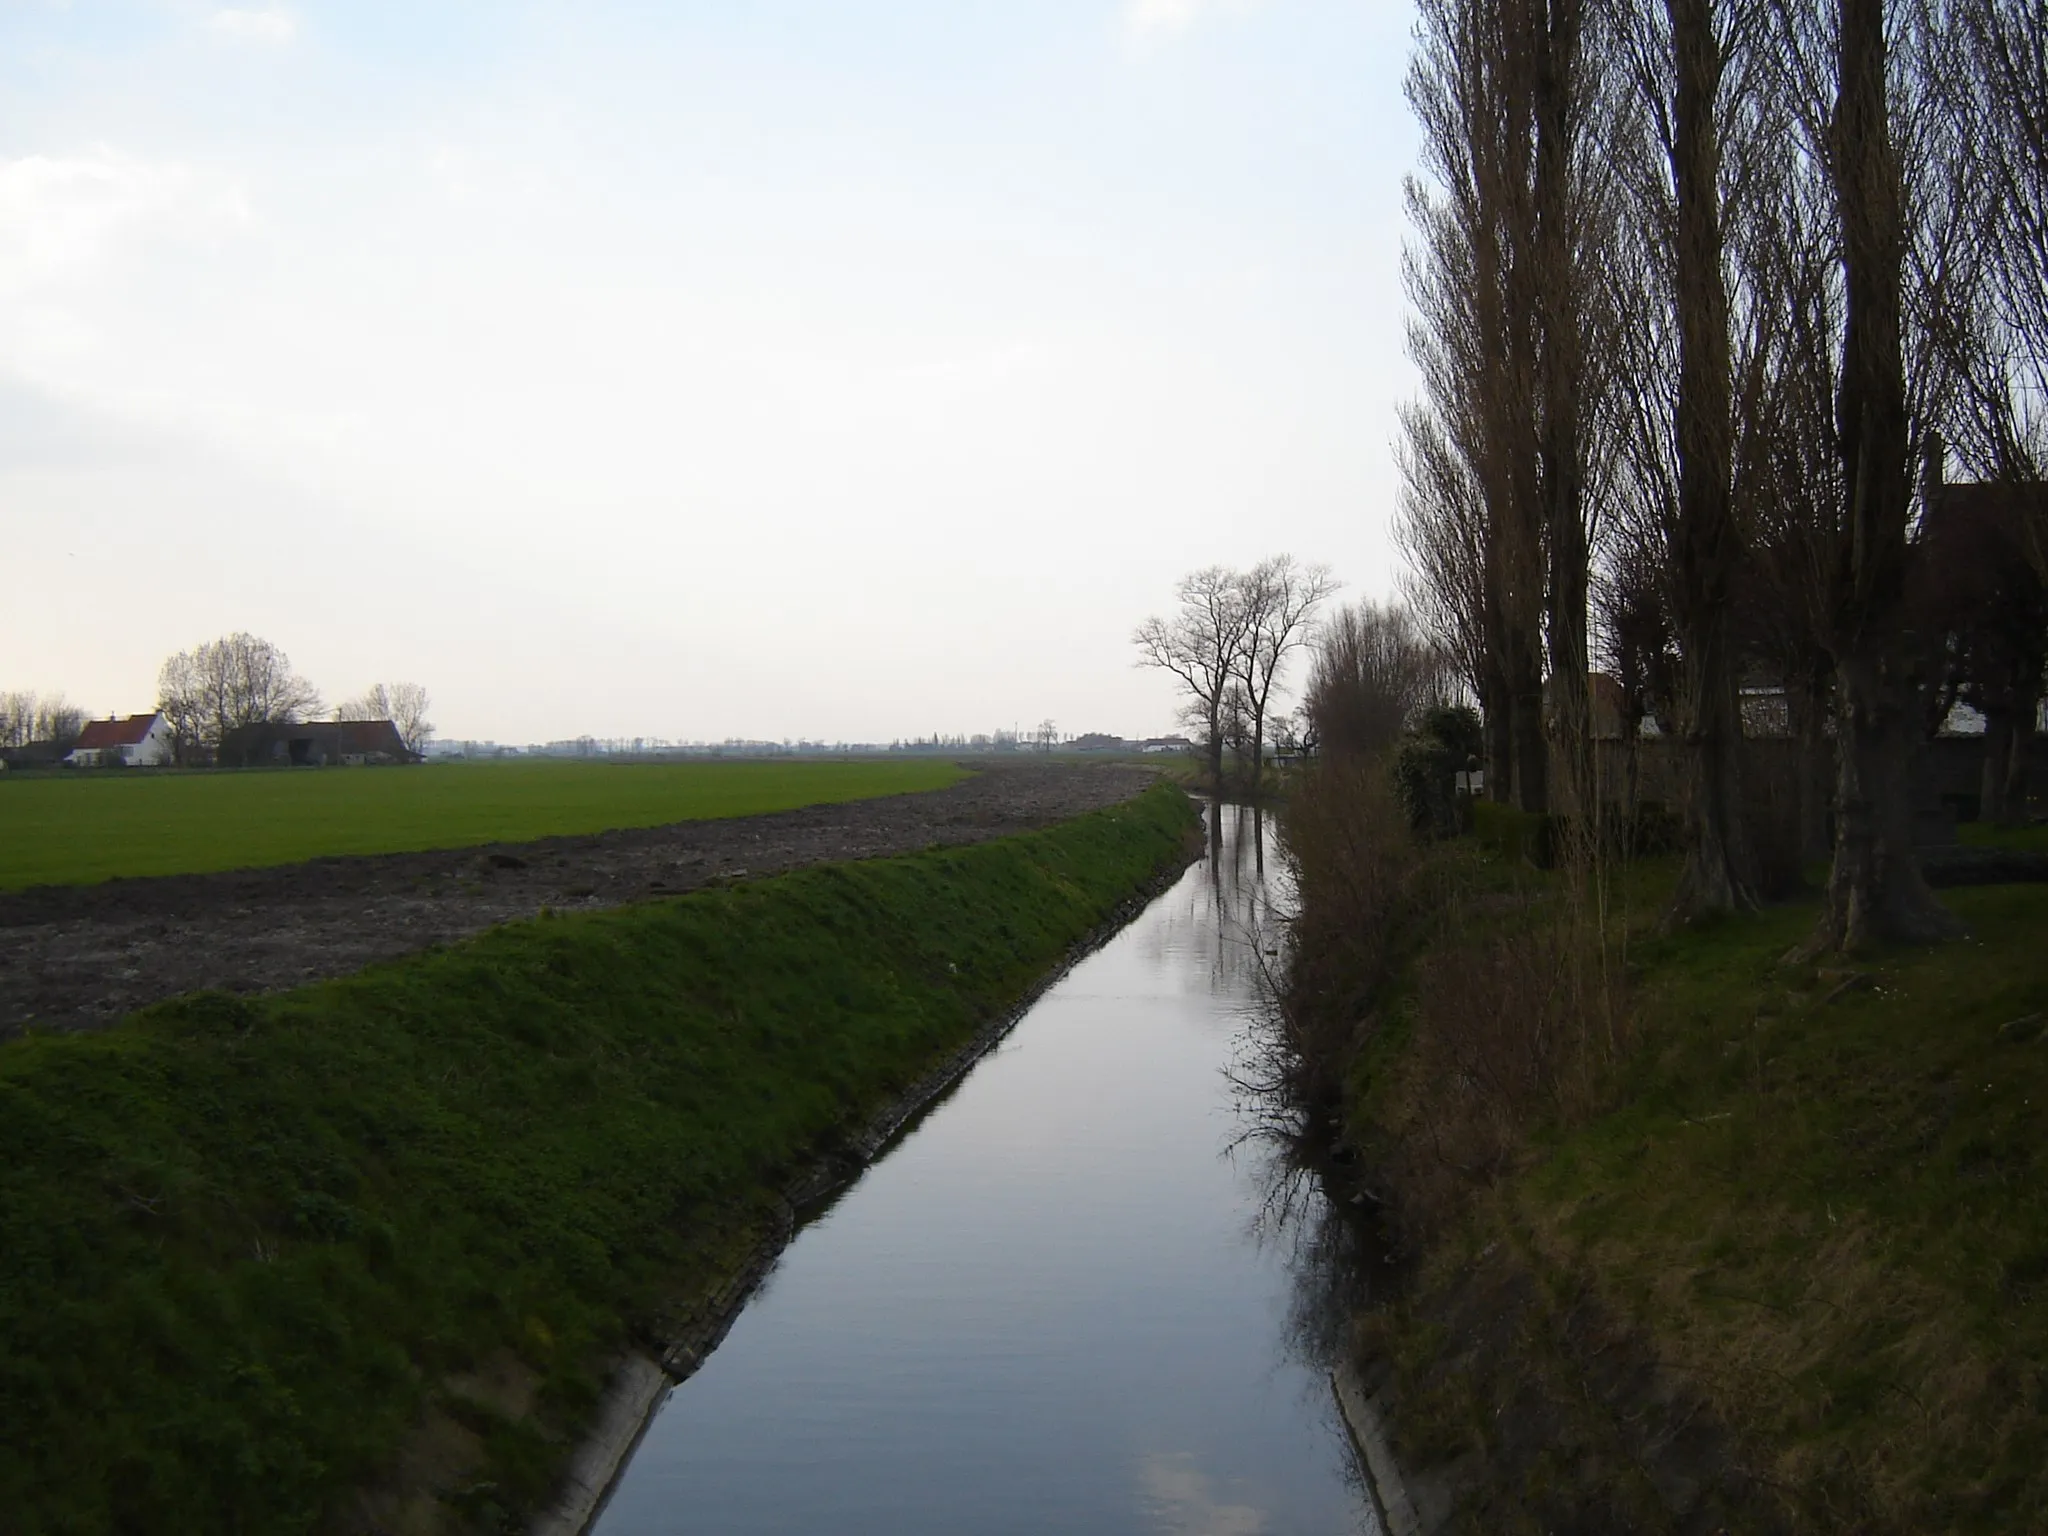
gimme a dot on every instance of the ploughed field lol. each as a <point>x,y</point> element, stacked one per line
<point>81,956</point>
<point>81,828</point>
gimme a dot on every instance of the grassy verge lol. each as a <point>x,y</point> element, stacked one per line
<point>248,1248</point>
<point>76,828</point>
<point>1763,1246</point>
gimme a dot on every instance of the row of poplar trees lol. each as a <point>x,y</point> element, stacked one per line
<point>1693,282</point>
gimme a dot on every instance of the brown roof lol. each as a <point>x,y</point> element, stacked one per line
<point>369,737</point>
<point>1995,498</point>
<point>100,734</point>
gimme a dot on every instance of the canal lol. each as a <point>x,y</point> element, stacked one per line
<point>1084,1294</point>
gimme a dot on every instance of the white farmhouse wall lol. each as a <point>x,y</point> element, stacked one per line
<point>154,750</point>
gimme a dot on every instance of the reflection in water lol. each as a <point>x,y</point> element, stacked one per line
<point>1183,1500</point>
<point>1090,1293</point>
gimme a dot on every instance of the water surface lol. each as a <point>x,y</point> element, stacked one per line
<point>1074,1299</point>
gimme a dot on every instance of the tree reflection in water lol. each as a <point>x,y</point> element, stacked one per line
<point>1308,1208</point>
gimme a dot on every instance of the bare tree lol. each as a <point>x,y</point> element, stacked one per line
<point>42,718</point>
<point>226,684</point>
<point>1373,670</point>
<point>1278,599</point>
<point>17,718</point>
<point>1677,549</point>
<point>1198,646</point>
<point>1999,102</point>
<point>59,721</point>
<point>409,705</point>
<point>405,705</point>
<point>1508,337</point>
<point>1441,528</point>
<point>1875,890</point>
<point>373,703</point>
<point>1468,506</point>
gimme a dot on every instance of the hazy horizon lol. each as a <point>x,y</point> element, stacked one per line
<point>820,371</point>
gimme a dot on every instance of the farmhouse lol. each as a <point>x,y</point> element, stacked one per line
<point>314,744</point>
<point>140,741</point>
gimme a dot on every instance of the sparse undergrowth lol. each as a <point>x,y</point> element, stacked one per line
<point>1765,1248</point>
<point>252,1247</point>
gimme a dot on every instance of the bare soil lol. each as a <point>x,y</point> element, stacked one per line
<point>81,957</point>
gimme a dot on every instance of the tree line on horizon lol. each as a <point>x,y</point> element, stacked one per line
<point>1706,295</point>
<point>207,693</point>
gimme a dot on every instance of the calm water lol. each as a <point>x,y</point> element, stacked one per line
<point>1074,1299</point>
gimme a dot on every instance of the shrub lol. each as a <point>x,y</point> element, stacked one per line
<point>1446,740</point>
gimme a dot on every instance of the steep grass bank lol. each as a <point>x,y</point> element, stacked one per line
<point>1701,1239</point>
<point>256,1256</point>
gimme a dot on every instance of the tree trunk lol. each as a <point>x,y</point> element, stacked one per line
<point>1720,868</point>
<point>1496,720</point>
<point>1561,376</point>
<point>2016,764</point>
<point>1525,716</point>
<point>1805,700</point>
<point>1998,760</point>
<point>1875,891</point>
<point>1497,704</point>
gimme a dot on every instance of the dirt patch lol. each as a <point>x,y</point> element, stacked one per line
<point>81,957</point>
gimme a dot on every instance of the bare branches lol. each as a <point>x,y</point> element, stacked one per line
<point>40,718</point>
<point>403,704</point>
<point>1374,671</point>
<point>1278,599</point>
<point>224,685</point>
<point>1198,646</point>
<point>1228,643</point>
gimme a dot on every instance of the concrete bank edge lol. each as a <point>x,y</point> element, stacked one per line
<point>1367,1424</point>
<point>640,1381</point>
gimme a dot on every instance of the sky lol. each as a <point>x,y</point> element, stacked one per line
<point>828,369</point>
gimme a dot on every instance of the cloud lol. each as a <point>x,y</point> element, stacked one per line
<point>1161,18</point>
<point>1161,15</point>
<point>269,25</point>
<point>62,214</point>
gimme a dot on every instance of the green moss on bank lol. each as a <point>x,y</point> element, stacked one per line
<point>247,1245</point>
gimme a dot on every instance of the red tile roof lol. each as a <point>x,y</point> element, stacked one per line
<point>100,734</point>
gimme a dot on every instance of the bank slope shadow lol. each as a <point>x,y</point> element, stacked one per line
<point>258,1256</point>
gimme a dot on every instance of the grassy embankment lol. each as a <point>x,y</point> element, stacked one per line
<point>258,1255</point>
<point>1709,1238</point>
<point>81,827</point>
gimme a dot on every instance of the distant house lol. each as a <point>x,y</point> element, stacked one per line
<point>315,744</point>
<point>1167,744</point>
<point>140,741</point>
<point>1606,700</point>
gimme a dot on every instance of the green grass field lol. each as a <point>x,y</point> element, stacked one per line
<point>78,829</point>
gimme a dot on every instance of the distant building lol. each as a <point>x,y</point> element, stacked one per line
<point>1606,700</point>
<point>36,754</point>
<point>315,744</point>
<point>1167,744</point>
<point>140,741</point>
